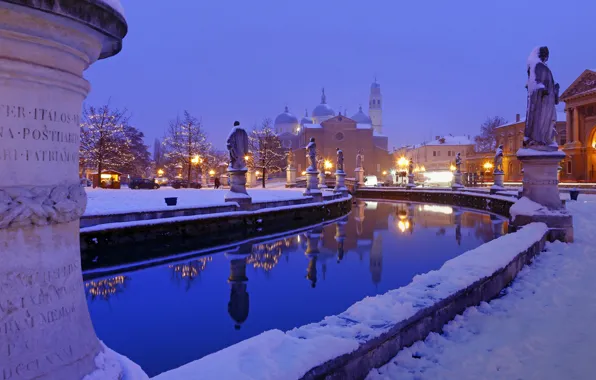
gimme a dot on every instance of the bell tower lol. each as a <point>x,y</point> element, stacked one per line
<point>375,110</point>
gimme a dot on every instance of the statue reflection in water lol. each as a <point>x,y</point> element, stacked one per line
<point>312,252</point>
<point>239,300</point>
<point>457,212</point>
<point>340,237</point>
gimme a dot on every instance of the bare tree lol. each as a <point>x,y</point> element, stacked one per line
<point>184,141</point>
<point>104,141</point>
<point>265,147</point>
<point>486,141</point>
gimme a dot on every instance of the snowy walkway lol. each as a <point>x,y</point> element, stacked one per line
<point>541,329</point>
<point>106,201</point>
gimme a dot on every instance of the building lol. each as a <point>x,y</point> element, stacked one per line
<point>580,145</point>
<point>438,154</point>
<point>332,131</point>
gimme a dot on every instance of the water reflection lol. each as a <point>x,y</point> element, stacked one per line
<point>280,282</point>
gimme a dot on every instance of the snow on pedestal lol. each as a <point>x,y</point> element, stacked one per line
<point>340,183</point>
<point>46,46</point>
<point>411,184</point>
<point>498,182</point>
<point>238,191</point>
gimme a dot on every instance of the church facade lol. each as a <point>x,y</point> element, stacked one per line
<point>361,131</point>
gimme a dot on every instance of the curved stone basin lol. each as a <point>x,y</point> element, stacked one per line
<point>168,315</point>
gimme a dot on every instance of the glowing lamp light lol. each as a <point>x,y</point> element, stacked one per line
<point>403,225</point>
<point>195,160</point>
<point>328,164</point>
<point>258,172</point>
<point>211,172</point>
<point>452,168</point>
<point>422,169</point>
<point>384,172</point>
<point>246,158</point>
<point>297,129</point>
<point>160,173</point>
<point>487,166</point>
<point>304,172</point>
<point>402,162</point>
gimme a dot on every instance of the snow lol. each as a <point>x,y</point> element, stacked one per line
<point>525,206</point>
<point>274,355</point>
<point>115,5</point>
<point>312,126</point>
<point>108,201</point>
<point>524,152</point>
<point>539,329</point>
<point>110,365</point>
<point>363,126</point>
<point>533,60</point>
<point>271,355</point>
<point>450,140</point>
<point>561,117</point>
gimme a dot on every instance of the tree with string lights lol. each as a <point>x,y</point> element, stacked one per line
<point>266,151</point>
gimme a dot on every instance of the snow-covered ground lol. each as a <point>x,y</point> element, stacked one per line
<point>540,329</point>
<point>108,201</point>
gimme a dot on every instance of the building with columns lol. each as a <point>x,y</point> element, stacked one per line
<point>580,145</point>
<point>333,130</point>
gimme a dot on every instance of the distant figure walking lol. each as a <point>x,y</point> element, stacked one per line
<point>217,183</point>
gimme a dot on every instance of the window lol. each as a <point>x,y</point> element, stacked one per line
<point>339,136</point>
<point>379,102</point>
<point>510,168</point>
<point>510,141</point>
<point>569,167</point>
<point>448,153</point>
<point>378,167</point>
<point>434,153</point>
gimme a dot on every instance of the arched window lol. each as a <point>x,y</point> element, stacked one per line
<point>379,102</point>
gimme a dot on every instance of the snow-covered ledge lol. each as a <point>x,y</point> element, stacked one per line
<point>372,331</point>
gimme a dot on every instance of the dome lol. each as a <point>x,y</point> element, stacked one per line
<point>323,110</point>
<point>286,118</point>
<point>306,119</point>
<point>361,117</point>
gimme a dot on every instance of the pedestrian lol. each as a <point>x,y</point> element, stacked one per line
<point>216,183</point>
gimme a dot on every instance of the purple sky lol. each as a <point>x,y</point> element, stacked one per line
<point>443,66</point>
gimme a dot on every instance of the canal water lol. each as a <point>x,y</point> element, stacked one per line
<point>167,315</point>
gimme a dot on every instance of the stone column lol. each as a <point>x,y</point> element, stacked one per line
<point>568,127</point>
<point>290,177</point>
<point>411,185</point>
<point>576,139</point>
<point>457,185</point>
<point>45,328</point>
<point>238,191</point>
<point>312,188</point>
<point>251,178</point>
<point>359,177</point>
<point>340,183</point>
<point>322,184</point>
<point>498,176</point>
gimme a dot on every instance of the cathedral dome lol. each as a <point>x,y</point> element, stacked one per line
<point>306,119</point>
<point>323,109</point>
<point>286,118</point>
<point>361,117</point>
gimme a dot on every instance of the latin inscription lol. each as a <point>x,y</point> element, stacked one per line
<point>47,132</point>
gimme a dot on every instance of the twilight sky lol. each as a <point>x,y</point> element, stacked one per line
<point>443,66</point>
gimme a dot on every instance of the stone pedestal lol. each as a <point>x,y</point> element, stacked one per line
<point>540,177</point>
<point>498,182</point>
<point>225,180</point>
<point>411,185</point>
<point>251,179</point>
<point>540,186</point>
<point>322,184</point>
<point>340,183</point>
<point>359,172</point>
<point>457,185</point>
<point>45,328</point>
<point>312,186</point>
<point>290,177</point>
<point>238,191</point>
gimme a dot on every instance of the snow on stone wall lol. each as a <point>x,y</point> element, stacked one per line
<point>115,5</point>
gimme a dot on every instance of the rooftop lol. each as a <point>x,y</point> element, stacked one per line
<point>561,116</point>
<point>449,140</point>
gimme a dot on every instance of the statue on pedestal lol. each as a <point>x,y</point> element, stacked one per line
<point>359,159</point>
<point>290,159</point>
<point>237,145</point>
<point>498,161</point>
<point>458,162</point>
<point>321,164</point>
<point>411,166</point>
<point>543,96</point>
<point>340,160</point>
<point>311,154</point>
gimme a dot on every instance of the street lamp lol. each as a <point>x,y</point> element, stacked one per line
<point>328,165</point>
<point>452,168</point>
<point>212,172</point>
<point>160,173</point>
<point>487,166</point>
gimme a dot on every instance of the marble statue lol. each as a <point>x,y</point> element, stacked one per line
<point>458,162</point>
<point>340,160</point>
<point>359,159</point>
<point>290,158</point>
<point>411,166</point>
<point>311,154</point>
<point>237,145</point>
<point>543,96</point>
<point>498,162</point>
<point>321,164</point>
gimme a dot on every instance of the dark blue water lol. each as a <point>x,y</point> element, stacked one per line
<point>165,316</point>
